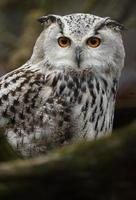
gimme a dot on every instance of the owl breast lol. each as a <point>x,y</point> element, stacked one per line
<point>59,108</point>
<point>90,100</point>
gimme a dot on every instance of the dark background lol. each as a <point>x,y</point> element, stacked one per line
<point>19,30</point>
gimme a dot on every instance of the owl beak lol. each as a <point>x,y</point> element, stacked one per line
<point>78,56</point>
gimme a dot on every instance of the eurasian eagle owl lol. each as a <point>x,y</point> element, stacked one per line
<point>67,90</point>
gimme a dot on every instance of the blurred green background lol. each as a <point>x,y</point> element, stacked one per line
<point>19,30</point>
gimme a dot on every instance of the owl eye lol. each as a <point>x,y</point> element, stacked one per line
<point>93,42</point>
<point>64,42</point>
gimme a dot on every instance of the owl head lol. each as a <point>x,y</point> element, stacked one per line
<point>80,41</point>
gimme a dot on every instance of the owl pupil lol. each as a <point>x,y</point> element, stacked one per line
<point>64,41</point>
<point>93,41</point>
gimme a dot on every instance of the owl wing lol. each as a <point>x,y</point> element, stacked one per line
<point>18,89</point>
<point>28,98</point>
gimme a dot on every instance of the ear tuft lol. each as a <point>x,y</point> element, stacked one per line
<point>114,25</point>
<point>47,19</point>
<point>41,19</point>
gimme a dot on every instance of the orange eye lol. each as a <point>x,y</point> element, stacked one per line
<point>93,42</point>
<point>64,42</point>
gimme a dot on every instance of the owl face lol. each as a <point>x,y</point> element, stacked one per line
<point>83,41</point>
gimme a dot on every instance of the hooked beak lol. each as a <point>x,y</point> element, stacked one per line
<point>78,55</point>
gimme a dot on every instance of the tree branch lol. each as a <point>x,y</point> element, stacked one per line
<point>102,169</point>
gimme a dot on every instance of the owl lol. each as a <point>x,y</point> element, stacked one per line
<point>66,91</point>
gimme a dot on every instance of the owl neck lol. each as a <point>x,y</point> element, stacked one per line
<point>81,81</point>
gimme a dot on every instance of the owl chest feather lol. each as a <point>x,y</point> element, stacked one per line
<point>88,100</point>
<point>50,110</point>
